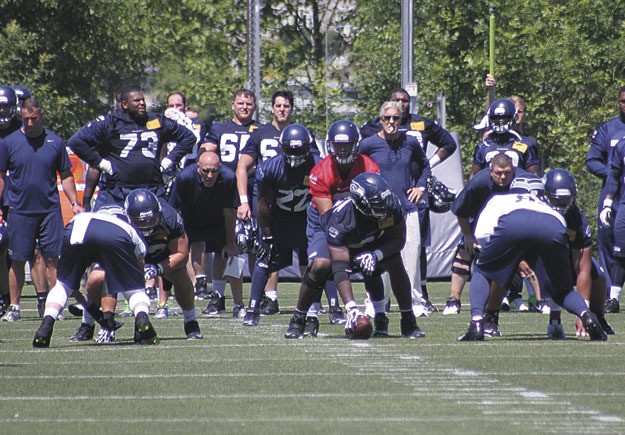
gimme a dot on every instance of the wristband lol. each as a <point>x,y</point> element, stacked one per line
<point>435,160</point>
<point>607,202</point>
<point>74,204</point>
<point>243,198</point>
<point>160,268</point>
<point>378,253</point>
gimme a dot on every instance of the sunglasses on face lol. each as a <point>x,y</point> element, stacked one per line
<point>387,118</point>
<point>209,170</point>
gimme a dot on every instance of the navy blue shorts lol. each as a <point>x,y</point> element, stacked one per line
<point>530,236</point>
<point>317,239</point>
<point>108,245</point>
<point>29,230</point>
<point>215,239</point>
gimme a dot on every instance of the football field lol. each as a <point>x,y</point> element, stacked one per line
<point>243,380</point>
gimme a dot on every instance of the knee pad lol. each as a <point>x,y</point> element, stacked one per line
<point>312,284</point>
<point>461,266</point>
<point>58,294</point>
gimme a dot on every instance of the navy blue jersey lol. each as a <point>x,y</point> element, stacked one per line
<point>425,130</point>
<point>133,149</point>
<point>522,152</point>
<point>290,186</point>
<point>580,234</point>
<point>33,164</point>
<point>615,181</point>
<point>230,138</point>
<point>201,206</point>
<point>263,143</point>
<point>345,226</point>
<point>402,162</point>
<point>169,227</point>
<point>478,190</point>
<point>603,141</point>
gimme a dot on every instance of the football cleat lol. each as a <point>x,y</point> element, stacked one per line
<point>452,306</point>
<point>380,325</point>
<point>593,327</point>
<point>542,306</point>
<point>505,304</point>
<point>555,331</point>
<point>238,311</point>
<point>83,333</point>
<point>409,327</point>
<point>297,326</point>
<point>162,312</point>
<point>312,327</point>
<point>604,324</point>
<point>518,305</point>
<point>612,306</point>
<point>419,309</point>
<point>270,308</point>
<point>429,307</point>
<point>201,289</point>
<point>12,315</point>
<point>216,305</point>
<point>192,330</point>
<point>252,317</point>
<point>127,312</point>
<point>336,315</point>
<point>144,331</point>
<point>474,333</point>
<point>44,333</point>
<point>491,330</point>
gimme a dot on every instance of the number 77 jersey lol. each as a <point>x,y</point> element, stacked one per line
<point>134,149</point>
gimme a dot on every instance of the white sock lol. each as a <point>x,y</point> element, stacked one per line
<point>615,292</point>
<point>313,311</point>
<point>219,285</point>
<point>272,294</point>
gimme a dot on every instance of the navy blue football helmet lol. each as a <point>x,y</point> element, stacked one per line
<point>560,189</point>
<point>245,235</point>
<point>8,105</point>
<point>143,208</point>
<point>372,195</point>
<point>342,141</point>
<point>502,115</point>
<point>21,93</point>
<point>295,142</point>
<point>528,183</point>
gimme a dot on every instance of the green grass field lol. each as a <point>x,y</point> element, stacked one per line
<point>252,380</point>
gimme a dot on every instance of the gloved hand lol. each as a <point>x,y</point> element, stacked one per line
<point>106,167</point>
<point>605,216</point>
<point>151,271</point>
<point>367,261</point>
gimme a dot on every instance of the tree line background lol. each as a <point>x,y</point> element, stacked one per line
<point>340,57</point>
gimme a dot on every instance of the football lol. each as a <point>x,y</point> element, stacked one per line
<point>362,329</point>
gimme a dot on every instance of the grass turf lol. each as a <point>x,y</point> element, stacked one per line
<point>251,380</point>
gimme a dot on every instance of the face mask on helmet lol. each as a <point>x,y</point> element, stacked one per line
<point>560,189</point>
<point>372,195</point>
<point>502,115</point>
<point>8,106</point>
<point>295,141</point>
<point>342,141</point>
<point>143,209</point>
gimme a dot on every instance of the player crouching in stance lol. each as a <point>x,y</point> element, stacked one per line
<point>108,239</point>
<point>521,225</point>
<point>367,229</point>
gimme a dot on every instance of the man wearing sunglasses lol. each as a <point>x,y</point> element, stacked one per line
<point>405,166</point>
<point>427,131</point>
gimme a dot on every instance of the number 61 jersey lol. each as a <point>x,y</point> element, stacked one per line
<point>133,149</point>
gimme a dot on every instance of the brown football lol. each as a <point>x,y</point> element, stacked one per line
<point>363,328</point>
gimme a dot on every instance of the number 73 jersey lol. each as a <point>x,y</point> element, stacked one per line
<point>133,149</point>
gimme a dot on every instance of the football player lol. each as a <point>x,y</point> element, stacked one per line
<point>521,225</point>
<point>427,131</point>
<point>126,146</point>
<point>561,191</point>
<point>502,115</point>
<point>282,184</point>
<point>367,230</point>
<point>329,182</point>
<point>604,139</point>
<point>109,239</point>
